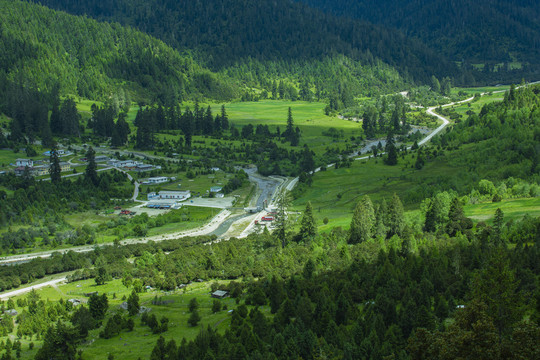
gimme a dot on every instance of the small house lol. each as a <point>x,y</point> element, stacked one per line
<point>156,180</point>
<point>216,189</point>
<point>220,294</point>
<point>11,312</point>
<point>19,171</point>
<point>177,195</point>
<point>40,170</point>
<point>64,166</point>
<point>101,158</point>
<point>144,167</point>
<point>75,302</point>
<point>24,162</point>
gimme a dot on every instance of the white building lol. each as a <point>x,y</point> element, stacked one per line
<point>24,162</point>
<point>144,167</point>
<point>124,163</point>
<point>101,158</point>
<point>178,195</point>
<point>156,180</point>
<point>170,195</point>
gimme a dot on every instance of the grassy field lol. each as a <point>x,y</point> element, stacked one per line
<point>140,342</point>
<point>482,89</point>
<point>476,106</point>
<point>198,216</point>
<point>308,116</point>
<point>335,192</point>
<point>513,209</point>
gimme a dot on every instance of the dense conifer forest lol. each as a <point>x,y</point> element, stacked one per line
<point>229,32</point>
<point>47,50</point>
<point>475,32</point>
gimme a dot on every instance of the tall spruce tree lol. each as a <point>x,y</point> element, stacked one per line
<point>281,220</point>
<point>91,169</point>
<point>69,117</point>
<point>133,303</point>
<point>396,220</point>
<point>308,228</point>
<point>363,221</point>
<point>54,167</point>
<point>456,218</point>
<point>497,287</point>
<point>498,225</point>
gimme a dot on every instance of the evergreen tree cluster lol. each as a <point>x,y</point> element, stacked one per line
<point>382,221</point>
<point>33,200</point>
<point>150,120</point>
<point>397,305</point>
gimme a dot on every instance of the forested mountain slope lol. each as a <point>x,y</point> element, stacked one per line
<point>475,31</point>
<point>44,48</point>
<point>226,32</point>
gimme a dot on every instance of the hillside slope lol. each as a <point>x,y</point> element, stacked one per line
<point>226,32</point>
<point>45,48</point>
<point>475,31</point>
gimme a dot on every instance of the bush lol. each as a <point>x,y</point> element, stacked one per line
<point>193,305</point>
<point>216,306</point>
<point>194,318</point>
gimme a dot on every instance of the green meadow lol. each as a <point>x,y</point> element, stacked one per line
<point>513,209</point>
<point>477,105</point>
<point>308,116</point>
<point>335,192</point>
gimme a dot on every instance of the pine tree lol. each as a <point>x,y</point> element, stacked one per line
<point>54,167</point>
<point>396,220</point>
<point>58,343</point>
<point>281,220</point>
<point>194,318</point>
<point>455,218</point>
<point>430,224</point>
<point>435,84</point>
<point>308,229</point>
<point>309,268</point>
<point>69,117</point>
<point>91,169</point>
<point>363,221</point>
<point>56,124</point>
<point>307,163</point>
<point>381,219</point>
<point>419,164</point>
<point>497,287</point>
<point>133,303</point>
<point>224,118</point>
<point>392,158</point>
<point>289,132</point>
<point>193,305</point>
<point>498,224</point>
